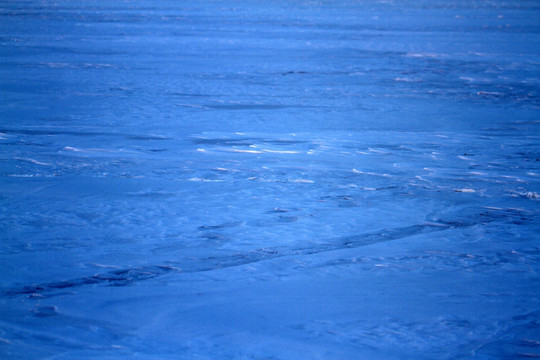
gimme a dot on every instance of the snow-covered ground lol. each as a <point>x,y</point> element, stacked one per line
<point>269,180</point>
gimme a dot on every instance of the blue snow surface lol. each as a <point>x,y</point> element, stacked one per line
<point>275,180</point>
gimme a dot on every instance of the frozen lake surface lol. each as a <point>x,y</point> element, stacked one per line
<point>272,180</point>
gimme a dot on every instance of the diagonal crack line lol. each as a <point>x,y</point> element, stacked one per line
<point>128,276</point>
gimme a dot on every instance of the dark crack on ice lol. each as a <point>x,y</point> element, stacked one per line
<point>129,276</point>
<point>121,277</point>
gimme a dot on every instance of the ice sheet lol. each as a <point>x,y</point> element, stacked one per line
<point>269,180</point>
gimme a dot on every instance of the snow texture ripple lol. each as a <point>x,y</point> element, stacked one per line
<point>334,180</point>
